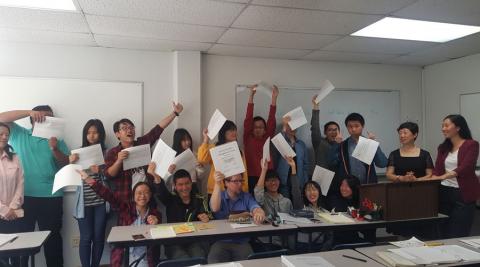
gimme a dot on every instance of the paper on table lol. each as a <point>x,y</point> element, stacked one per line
<point>66,176</point>
<point>326,88</point>
<point>5,238</point>
<point>297,118</point>
<point>187,161</point>
<point>461,252</point>
<point>323,177</point>
<point>242,225</point>
<point>412,242</point>
<point>90,155</point>
<point>472,242</point>
<point>305,261</point>
<point>163,156</point>
<point>426,255</point>
<point>282,146</point>
<point>266,150</point>
<point>227,159</point>
<point>162,232</point>
<point>51,127</point>
<point>365,150</point>
<point>335,218</point>
<point>215,124</point>
<point>137,156</point>
<point>287,218</point>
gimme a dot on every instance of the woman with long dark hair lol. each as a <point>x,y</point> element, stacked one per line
<point>455,166</point>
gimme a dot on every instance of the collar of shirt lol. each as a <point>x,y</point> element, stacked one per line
<point>4,155</point>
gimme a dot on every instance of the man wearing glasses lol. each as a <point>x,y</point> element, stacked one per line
<point>232,200</point>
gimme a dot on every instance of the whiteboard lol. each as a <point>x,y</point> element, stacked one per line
<point>470,109</point>
<point>381,110</point>
<point>77,101</point>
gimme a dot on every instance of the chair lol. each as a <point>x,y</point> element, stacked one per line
<point>182,262</point>
<point>352,245</point>
<point>267,254</point>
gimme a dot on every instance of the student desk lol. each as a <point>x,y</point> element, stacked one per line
<point>371,251</point>
<point>27,244</point>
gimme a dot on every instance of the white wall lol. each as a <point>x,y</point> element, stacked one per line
<point>221,74</point>
<point>443,84</point>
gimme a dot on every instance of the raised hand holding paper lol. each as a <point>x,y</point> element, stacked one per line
<point>67,176</point>
<point>163,156</point>
<point>51,127</point>
<point>227,159</point>
<point>187,161</point>
<point>138,156</point>
<point>365,150</point>
<point>266,150</point>
<point>297,118</point>
<point>326,88</point>
<point>282,146</point>
<point>323,177</point>
<point>215,124</point>
<point>90,155</point>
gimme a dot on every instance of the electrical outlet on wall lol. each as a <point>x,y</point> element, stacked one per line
<point>75,241</point>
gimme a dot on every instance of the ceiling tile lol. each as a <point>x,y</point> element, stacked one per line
<point>457,11</point>
<point>153,29</point>
<point>376,45</point>
<point>11,17</point>
<point>276,39</point>
<point>355,6</point>
<point>201,12</point>
<point>148,44</point>
<point>302,21</point>
<point>261,52</point>
<point>46,37</point>
<point>347,57</point>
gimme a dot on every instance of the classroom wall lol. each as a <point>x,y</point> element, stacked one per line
<point>221,74</point>
<point>443,84</point>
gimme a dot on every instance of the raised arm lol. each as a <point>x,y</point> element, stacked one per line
<point>216,199</point>
<point>315,124</point>
<point>271,121</point>
<point>161,190</point>
<point>248,122</point>
<point>203,152</point>
<point>177,109</point>
<point>259,190</point>
<point>11,116</point>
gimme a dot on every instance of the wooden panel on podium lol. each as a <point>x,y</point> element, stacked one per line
<point>407,200</point>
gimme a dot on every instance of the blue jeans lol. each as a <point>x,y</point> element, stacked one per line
<point>92,235</point>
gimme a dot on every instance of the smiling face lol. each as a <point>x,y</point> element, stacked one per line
<point>312,194</point>
<point>142,195</point>
<point>258,128</point>
<point>272,184</point>
<point>183,186</point>
<point>4,135</point>
<point>406,136</point>
<point>331,132</point>
<point>126,133</point>
<point>449,129</point>
<point>345,189</point>
<point>234,184</point>
<point>354,128</point>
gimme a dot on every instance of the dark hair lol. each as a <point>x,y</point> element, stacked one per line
<point>151,201</point>
<point>116,125</point>
<point>8,148</point>
<point>354,184</point>
<point>355,117</point>
<point>101,132</point>
<point>306,202</point>
<point>258,118</point>
<point>411,126</point>
<point>181,174</point>
<point>41,108</point>
<point>271,174</point>
<point>464,131</point>
<point>328,124</point>
<point>179,135</point>
<point>229,125</point>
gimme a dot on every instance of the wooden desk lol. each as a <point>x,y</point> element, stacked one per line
<point>371,252</point>
<point>27,244</point>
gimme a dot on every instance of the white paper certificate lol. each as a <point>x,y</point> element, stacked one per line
<point>266,150</point>
<point>282,146</point>
<point>365,150</point>
<point>163,156</point>
<point>90,155</point>
<point>138,156</point>
<point>187,161</point>
<point>326,88</point>
<point>51,127</point>
<point>297,118</point>
<point>215,124</point>
<point>323,177</point>
<point>67,176</point>
<point>227,159</point>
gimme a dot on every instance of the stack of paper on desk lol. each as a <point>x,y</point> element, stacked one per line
<point>472,242</point>
<point>335,218</point>
<point>162,232</point>
<point>436,255</point>
<point>412,242</point>
<point>305,261</point>
<point>287,218</point>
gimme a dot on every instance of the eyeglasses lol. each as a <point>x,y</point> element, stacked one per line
<point>235,181</point>
<point>126,128</point>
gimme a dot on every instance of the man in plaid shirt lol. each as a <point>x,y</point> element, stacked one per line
<point>125,132</point>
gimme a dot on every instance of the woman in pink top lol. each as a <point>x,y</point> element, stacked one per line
<point>11,188</point>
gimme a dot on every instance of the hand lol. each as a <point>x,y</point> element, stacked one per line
<point>371,135</point>
<point>95,168</point>
<point>85,177</point>
<point>37,116</point>
<point>264,164</point>
<point>205,135</point>
<point>339,137</point>
<point>203,217</point>
<point>314,102</point>
<point>286,120</point>
<point>172,168</point>
<point>151,168</point>
<point>122,155</point>
<point>290,162</point>
<point>73,158</point>
<point>258,216</point>
<point>152,219</point>
<point>177,107</point>
<point>53,143</point>
<point>253,89</point>
<point>219,177</point>
<point>275,91</point>
<point>10,215</point>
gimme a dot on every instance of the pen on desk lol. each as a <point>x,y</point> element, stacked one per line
<point>353,258</point>
<point>13,239</point>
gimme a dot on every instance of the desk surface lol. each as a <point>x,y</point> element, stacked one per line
<point>371,252</point>
<point>122,235</point>
<point>25,242</point>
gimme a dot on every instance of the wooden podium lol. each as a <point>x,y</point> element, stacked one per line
<point>404,200</point>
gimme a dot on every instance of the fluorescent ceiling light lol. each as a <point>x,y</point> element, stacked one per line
<point>417,30</point>
<point>40,4</point>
